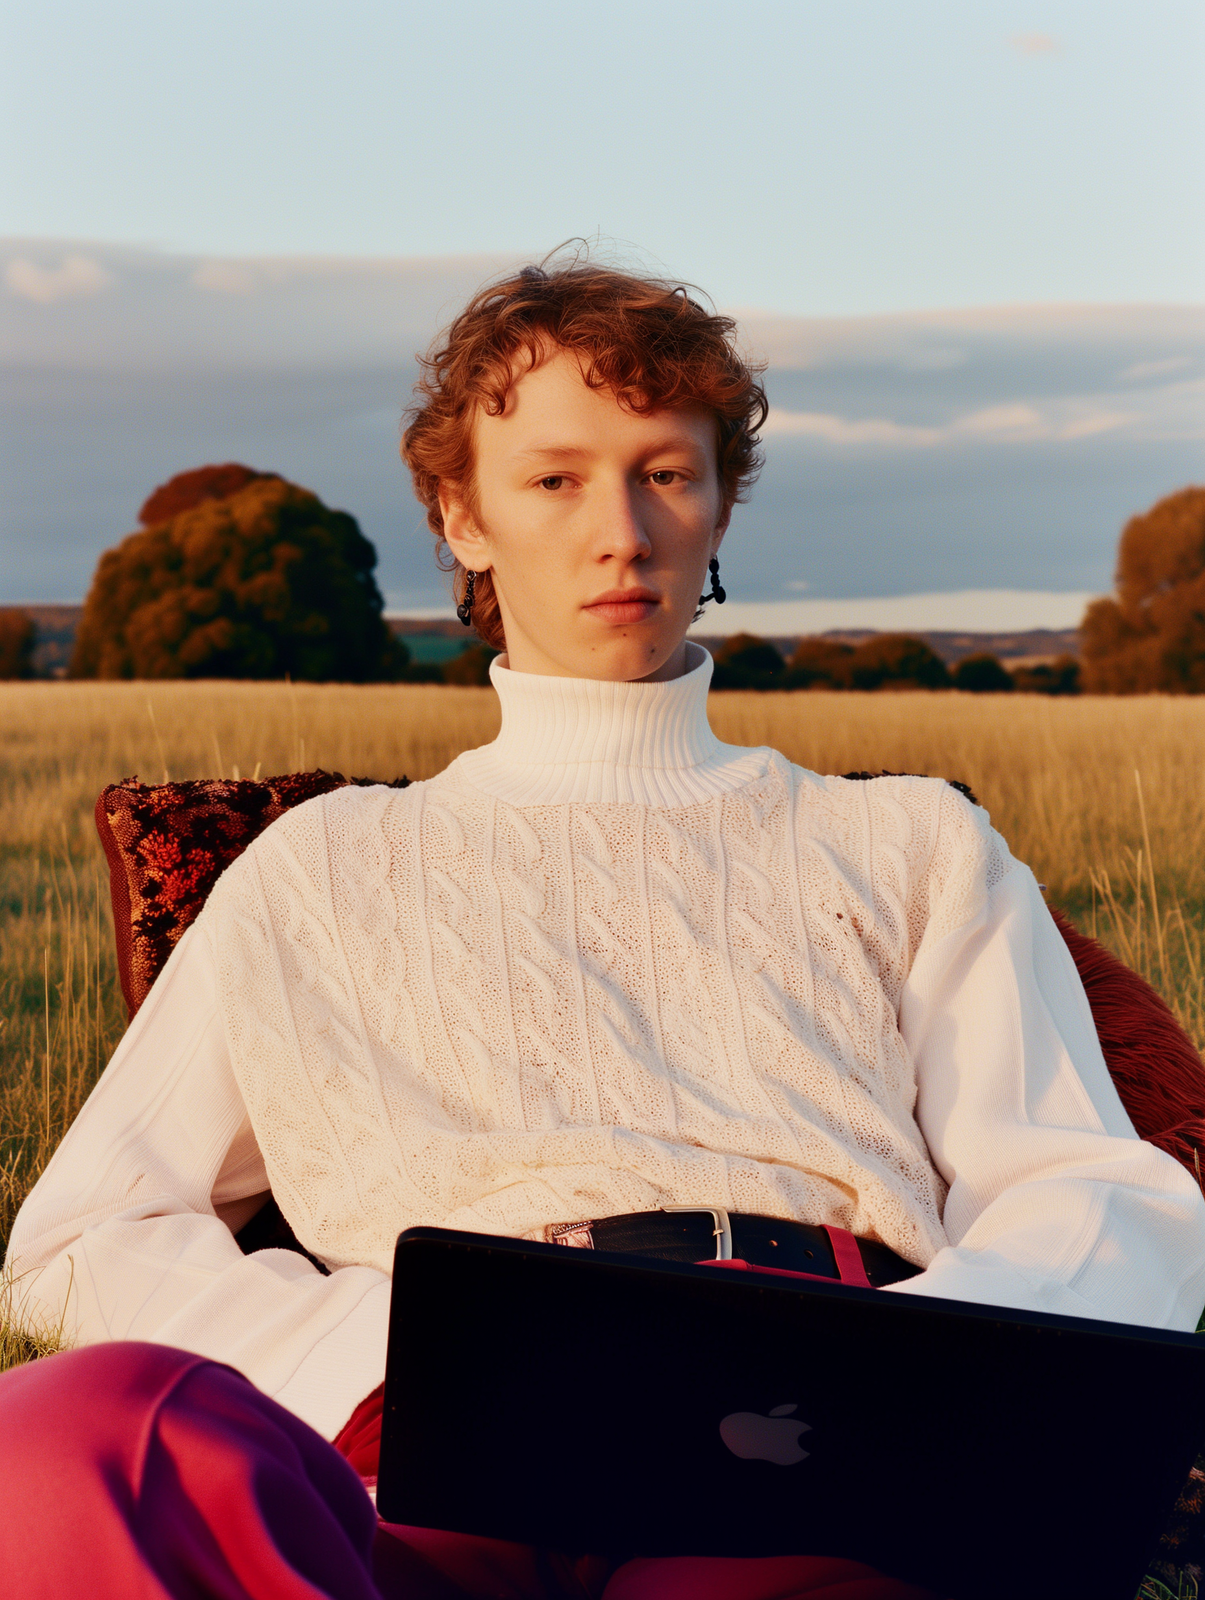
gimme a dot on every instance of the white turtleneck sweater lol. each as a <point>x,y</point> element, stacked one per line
<point>602,964</point>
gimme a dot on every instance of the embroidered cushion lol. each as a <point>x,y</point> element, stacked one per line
<point>1154,1065</point>
<point>167,844</point>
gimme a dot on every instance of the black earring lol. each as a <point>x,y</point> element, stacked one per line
<point>718,592</point>
<point>465,609</point>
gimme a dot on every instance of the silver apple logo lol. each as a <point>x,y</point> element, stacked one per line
<point>771,1438</point>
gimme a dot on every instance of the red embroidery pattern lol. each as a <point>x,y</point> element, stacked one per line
<point>167,844</point>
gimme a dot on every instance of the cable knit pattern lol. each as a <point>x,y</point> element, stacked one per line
<point>603,964</point>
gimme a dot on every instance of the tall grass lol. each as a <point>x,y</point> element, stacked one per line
<point>1102,797</point>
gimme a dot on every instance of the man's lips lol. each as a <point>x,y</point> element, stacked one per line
<point>625,605</point>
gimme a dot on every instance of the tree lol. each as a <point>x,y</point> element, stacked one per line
<point>746,662</point>
<point>982,674</point>
<point>1150,635</point>
<point>898,660</point>
<point>471,666</point>
<point>1060,676</point>
<point>189,489</point>
<point>894,660</point>
<point>819,663</point>
<point>17,637</point>
<point>262,583</point>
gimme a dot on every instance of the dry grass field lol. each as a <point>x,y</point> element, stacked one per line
<point>1102,797</point>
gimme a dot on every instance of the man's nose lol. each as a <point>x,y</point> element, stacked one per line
<point>621,531</point>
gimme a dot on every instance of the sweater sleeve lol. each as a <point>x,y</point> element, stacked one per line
<point>119,1238</point>
<point>1054,1203</point>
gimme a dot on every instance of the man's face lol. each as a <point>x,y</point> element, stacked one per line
<point>596,523</point>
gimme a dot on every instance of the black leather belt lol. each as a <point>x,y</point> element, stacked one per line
<point>701,1233</point>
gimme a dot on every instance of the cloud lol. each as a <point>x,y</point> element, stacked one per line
<point>77,276</point>
<point>1095,422</point>
<point>1004,421</point>
<point>1012,422</point>
<point>165,311</point>
<point>930,341</point>
<point>977,610</point>
<point>841,431</point>
<point>933,359</point>
<point>1156,369</point>
<point>225,277</point>
<point>1035,44</point>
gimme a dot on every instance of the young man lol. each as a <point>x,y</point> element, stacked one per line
<point>603,965</point>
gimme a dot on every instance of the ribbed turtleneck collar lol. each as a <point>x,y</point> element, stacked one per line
<point>580,739</point>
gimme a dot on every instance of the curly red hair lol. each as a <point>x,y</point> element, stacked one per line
<point>644,338</point>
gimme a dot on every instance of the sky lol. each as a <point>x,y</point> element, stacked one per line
<point>186,187</point>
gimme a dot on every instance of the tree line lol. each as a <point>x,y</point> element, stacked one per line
<point>883,661</point>
<point>235,573</point>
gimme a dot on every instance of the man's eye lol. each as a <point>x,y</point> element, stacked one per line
<point>663,478</point>
<point>553,481</point>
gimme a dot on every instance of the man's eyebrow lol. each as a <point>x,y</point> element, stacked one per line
<point>566,452</point>
<point>557,451</point>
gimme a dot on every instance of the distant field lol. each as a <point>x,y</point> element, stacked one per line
<point>1057,775</point>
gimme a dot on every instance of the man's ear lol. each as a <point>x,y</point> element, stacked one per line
<point>721,528</point>
<point>464,538</point>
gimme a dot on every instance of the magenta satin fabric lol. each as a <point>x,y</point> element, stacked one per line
<point>138,1472</point>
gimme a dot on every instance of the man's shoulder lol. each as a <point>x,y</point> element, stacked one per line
<point>917,783</point>
<point>327,832</point>
<point>909,825</point>
<point>918,794</point>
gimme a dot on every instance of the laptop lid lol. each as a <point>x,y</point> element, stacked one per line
<point>613,1404</point>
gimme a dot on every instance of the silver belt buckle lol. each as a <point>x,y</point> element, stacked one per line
<point>722,1233</point>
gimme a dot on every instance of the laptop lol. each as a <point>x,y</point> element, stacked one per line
<point>587,1401</point>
